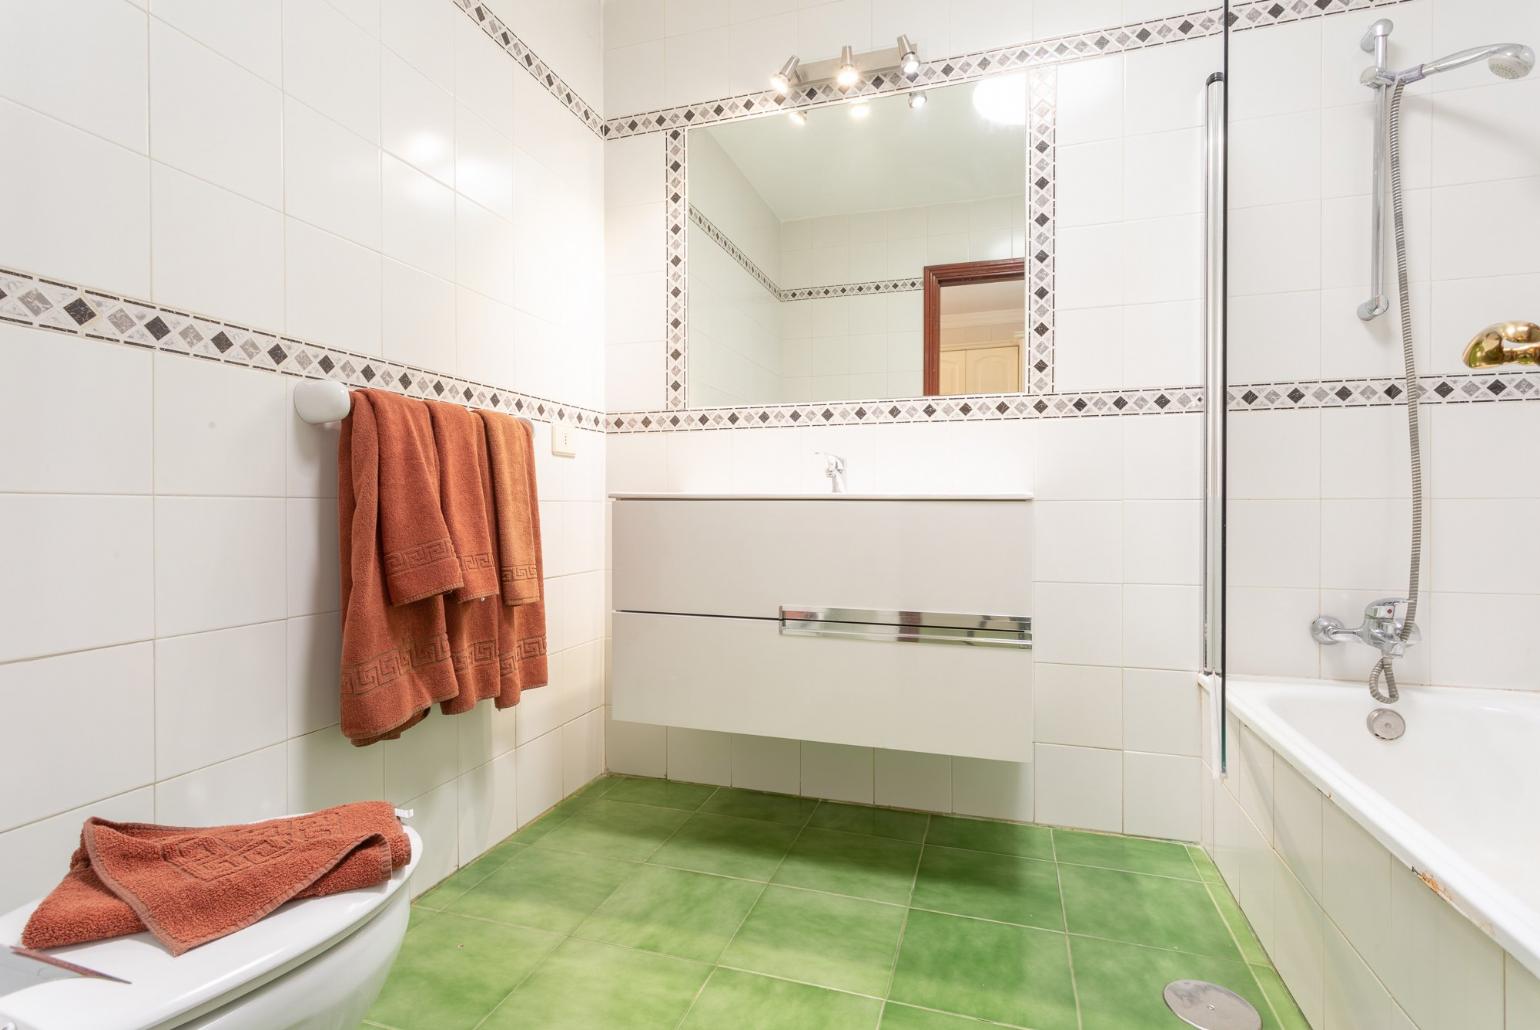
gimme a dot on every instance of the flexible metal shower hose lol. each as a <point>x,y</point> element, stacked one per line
<point>1385,667</point>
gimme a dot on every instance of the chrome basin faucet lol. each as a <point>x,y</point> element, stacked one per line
<point>834,468</point>
<point>1381,628</point>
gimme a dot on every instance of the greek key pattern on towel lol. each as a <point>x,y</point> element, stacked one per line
<point>236,851</point>
<point>481,652</point>
<point>520,574</point>
<point>397,562</point>
<point>526,649</point>
<point>476,562</point>
<point>370,675</point>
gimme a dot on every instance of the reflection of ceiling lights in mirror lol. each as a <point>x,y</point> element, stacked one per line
<point>916,100</point>
<point>783,80</point>
<point>908,57</point>
<point>797,116</point>
<point>1002,100</point>
<point>847,76</point>
<point>860,110</point>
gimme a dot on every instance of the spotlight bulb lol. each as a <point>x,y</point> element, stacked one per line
<point>917,101</point>
<point>797,117</point>
<point>847,75</point>
<point>783,80</point>
<point>860,110</point>
<point>908,57</point>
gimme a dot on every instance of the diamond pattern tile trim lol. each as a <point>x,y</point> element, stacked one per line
<point>80,311</point>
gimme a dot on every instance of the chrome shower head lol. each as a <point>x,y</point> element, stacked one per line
<point>1506,60</point>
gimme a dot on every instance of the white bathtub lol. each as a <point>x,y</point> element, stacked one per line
<point>1457,799</point>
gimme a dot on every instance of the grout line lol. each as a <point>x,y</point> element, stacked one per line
<point>903,930</point>
<point>1069,951</point>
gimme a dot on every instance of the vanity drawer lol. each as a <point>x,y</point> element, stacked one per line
<point>743,676</point>
<point>748,557</point>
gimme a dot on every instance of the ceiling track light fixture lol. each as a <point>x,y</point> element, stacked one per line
<point>917,100</point>
<point>899,65</point>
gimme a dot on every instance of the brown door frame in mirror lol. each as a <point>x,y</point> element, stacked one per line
<point>962,273</point>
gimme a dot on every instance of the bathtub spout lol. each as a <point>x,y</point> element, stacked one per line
<point>1381,628</point>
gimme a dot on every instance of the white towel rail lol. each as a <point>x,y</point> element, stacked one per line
<point>322,400</point>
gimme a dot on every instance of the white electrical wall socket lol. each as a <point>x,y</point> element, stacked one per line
<point>562,443</point>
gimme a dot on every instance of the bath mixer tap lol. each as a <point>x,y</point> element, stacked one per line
<point>835,470</point>
<point>1381,628</point>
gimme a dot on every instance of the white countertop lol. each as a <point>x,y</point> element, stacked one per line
<point>816,497</point>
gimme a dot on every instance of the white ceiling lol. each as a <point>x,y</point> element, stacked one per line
<point>973,298</point>
<point>895,158</point>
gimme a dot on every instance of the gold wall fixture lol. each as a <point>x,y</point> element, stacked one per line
<point>1506,343</point>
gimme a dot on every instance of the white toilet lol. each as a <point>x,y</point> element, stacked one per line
<point>316,964</point>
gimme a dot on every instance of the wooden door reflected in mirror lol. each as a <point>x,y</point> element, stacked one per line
<point>975,328</point>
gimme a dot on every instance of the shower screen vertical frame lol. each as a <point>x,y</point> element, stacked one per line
<point>1215,404</point>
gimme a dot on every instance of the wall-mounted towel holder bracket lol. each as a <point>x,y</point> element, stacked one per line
<point>322,400</point>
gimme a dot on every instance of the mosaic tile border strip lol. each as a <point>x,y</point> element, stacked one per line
<point>527,59</point>
<point>39,303</point>
<point>1042,119</point>
<point>1476,388</point>
<point>676,245</point>
<point>965,67</point>
<point>972,408</point>
<point>784,294</point>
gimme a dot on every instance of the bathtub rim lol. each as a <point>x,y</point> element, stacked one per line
<point>1512,923</point>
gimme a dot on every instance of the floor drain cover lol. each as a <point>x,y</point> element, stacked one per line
<point>1210,1007</point>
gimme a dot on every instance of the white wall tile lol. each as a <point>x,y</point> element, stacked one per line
<point>1078,623</point>
<point>1299,928</point>
<point>111,536</point>
<point>218,695</point>
<point>1090,101</point>
<point>1164,87</point>
<point>417,317</point>
<point>241,790</point>
<point>333,65</point>
<point>1160,712</point>
<point>325,769</point>
<point>314,658</point>
<point>635,748</point>
<point>1355,881</point>
<point>105,243</point>
<point>1078,704</point>
<point>81,63</point>
<point>910,779</point>
<point>993,790</point>
<point>249,33</point>
<point>839,772</point>
<point>699,756</point>
<point>314,569</point>
<point>765,763</point>
<point>539,775</point>
<point>423,34</point>
<point>105,446</point>
<point>1161,626</point>
<point>331,289</point>
<point>1353,995</point>
<point>1079,786</point>
<point>436,818</point>
<point>331,175</point>
<point>95,705</point>
<point>417,118</point>
<point>1160,795</point>
<point>216,562</point>
<point>193,88</point>
<point>582,751</point>
<point>206,414</point>
<point>242,283</point>
<point>37,856</point>
<point>488,805</point>
<point>1162,541</point>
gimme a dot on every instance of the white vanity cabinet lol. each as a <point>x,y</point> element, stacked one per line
<point>701,583</point>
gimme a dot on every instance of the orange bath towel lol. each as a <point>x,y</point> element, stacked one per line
<point>397,560</point>
<point>190,885</point>
<point>516,503</point>
<point>470,613</point>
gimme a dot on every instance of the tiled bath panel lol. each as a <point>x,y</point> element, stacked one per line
<point>654,903</point>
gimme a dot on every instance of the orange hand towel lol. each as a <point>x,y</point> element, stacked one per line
<point>189,885</point>
<point>470,613</point>
<point>396,658</point>
<point>516,503</point>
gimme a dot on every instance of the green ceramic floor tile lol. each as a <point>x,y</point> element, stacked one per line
<point>1284,1007</point>
<point>547,889</point>
<point>1139,909</point>
<point>983,835</point>
<point>544,824</point>
<point>751,804</point>
<point>1240,926</point>
<point>614,829</point>
<point>1120,985</point>
<point>1010,974</point>
<point>1003,887</point>
<point>599,787</point>
<point>819,939</point>
<point>1208,872</point>
<point>877,822</point>
<point>743,1001</point>
<point>688,915</point>
<point>585,985</point>
<point>728,846</point>
<point>906,1017</point>
<point>663,793</point>
<point>452,971</point>
<point>851,863</point>
<point>463,879</point>
<point>1132,854</point>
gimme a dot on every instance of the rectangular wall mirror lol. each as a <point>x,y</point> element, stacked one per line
<point>869,250</point>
